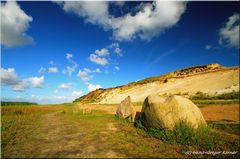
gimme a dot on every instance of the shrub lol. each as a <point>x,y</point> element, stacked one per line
<point>182,133</point>
<point>138,124</point>
<point>200,96</point>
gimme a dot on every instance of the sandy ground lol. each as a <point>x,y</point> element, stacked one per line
<point>223,113</point>
<point>228,113</point>
<point>222,81</point>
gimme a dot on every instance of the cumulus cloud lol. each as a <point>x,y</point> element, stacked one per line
<point>95,12</point>
<point>14,24</point>
<point>98,60</point>
<point>116,48</point>
<point>86,74</point>
<point>150,20</point>
<point>21,86</point>
<point>92,87</point>
<point>9,78</point>
<point>52,70</point>
<point>229,33</point>
<point>83,75</point>
<point>36,81</point>
<point>102,52</point>
<point>101,56</point>
<point>70,69</point>
<point>65,86</point>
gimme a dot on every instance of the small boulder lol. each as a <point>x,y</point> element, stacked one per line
<point>125,109</point>
<point>165,112</point>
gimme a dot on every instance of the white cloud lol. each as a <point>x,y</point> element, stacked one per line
<point>118,51</point>
<point>36,81</point>
<point>117,68</point>
<point>100,56</point>
<point>65,86</point>
<point>114,45</point>
<point>152,19</point>
<point>69,56</point>
<point>9,78</point>
<point>77,94</point>
<point>116,48</point>
<point>83,75</point>
<point>92,87</point>
<point>52,70</point>
<point>208,47</point>
<point>102,52</point>
<point>70,69</point>
<point>149,21</point>
<point>98,60</point>
<point>87,70</point>
<point>229,33</point>
<point>95,12</point>
<point>97,70</point>
<point>21,86</point>
<point>42,70</point>
<point>14,24</point>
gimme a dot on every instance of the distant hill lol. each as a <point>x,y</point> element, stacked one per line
<point>211,79</point>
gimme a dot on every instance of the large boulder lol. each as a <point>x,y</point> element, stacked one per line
<point>165,112</point>
<point>125,109</point>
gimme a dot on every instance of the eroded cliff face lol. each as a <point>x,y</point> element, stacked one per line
<point>210,79</point>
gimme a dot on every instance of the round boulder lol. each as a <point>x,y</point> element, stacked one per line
<point>165,112</point>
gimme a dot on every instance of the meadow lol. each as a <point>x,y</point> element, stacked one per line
<point>55,131</point>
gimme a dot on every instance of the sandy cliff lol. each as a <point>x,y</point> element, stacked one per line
<point>211,79</point>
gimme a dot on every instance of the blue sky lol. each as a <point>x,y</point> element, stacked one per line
<point>55,52</point>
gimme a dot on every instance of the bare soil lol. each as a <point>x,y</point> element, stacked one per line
<point>223,113</point>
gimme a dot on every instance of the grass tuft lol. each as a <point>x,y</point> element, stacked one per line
<point>226,96</point>
<point>182,134</point>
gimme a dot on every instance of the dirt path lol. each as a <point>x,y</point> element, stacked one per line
<point>65,135</point>
<point>60,137</point>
